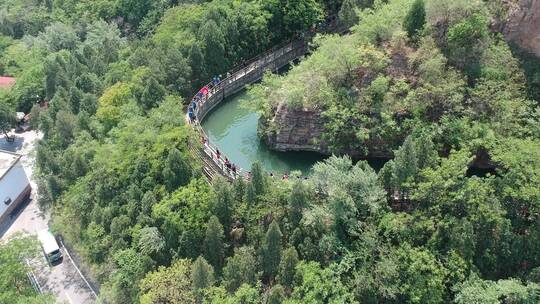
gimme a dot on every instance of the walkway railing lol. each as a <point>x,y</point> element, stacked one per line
<point>214,93</point>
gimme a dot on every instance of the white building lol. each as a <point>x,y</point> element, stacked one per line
<point>14,185</point>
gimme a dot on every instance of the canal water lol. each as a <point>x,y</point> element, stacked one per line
<point>233,128</point>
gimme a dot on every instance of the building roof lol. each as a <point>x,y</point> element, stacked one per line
<point>7,161</point>
<point>6,82</point>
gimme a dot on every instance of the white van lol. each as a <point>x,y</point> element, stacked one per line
<point>50,246</point>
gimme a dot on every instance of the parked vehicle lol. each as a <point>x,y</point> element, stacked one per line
<point>50,246</point>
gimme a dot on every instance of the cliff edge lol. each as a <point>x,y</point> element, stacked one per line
<point>522,25</point>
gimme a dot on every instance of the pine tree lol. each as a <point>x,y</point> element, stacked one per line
<point>213,243</point>
<point>189,244</point>
<point>223,203</point>
<point>415,19</point>
<point>176,172</point>
<point>257,178</point>
<point>297,202</point>
<point>348,14</point>
<point>250,193</point>
<point>287,266</point>
<point>271,250</point>
<point>196,62</point>
<point>241,268</point>
<point>202,276</point>
<point>426,152</point>
<point>239,186</point>
<point>213,47</point>
<point>148,200</point>
<point>405,162</point>
<point>152,94</point>
<point>276,295</point>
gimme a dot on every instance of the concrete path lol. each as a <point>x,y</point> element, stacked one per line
<point>62,280</point>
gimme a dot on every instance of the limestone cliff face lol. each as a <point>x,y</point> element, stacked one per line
<point>522,24</point>
<point>294,130</point>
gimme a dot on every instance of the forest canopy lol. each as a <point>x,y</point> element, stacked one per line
<point>428,81</point>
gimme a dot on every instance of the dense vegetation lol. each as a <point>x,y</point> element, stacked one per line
<point>427,79</point>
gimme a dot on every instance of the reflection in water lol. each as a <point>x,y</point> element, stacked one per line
<point>233,128</point>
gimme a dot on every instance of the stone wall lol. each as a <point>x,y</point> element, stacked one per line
<point>522,24</point>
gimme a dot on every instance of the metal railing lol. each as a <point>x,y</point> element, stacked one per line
<point>237,79</point>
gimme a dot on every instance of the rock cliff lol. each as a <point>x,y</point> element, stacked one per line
<point>522,24</point>
<point>294,130</point>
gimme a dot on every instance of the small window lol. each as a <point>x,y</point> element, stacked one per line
<point>7,200</point>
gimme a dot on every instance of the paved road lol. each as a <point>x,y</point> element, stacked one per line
<point>62,280</point>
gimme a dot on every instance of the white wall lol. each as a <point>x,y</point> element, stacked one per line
<point>12,185</point>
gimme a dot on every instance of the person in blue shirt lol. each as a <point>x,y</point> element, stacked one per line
<point>191,114</point>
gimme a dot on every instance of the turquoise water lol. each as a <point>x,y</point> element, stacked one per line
<point>233,128</point>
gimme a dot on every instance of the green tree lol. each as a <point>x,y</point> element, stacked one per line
<point>250,196</point>
<point>58,36</point>
<point>276,295</point>
<point>348,14</point>
<point>299,16</point>
<point>65,127</point>
<point>197,64</point>
<point>240,268</point>
<point>202,276</point>
<point>213,46</point>
<point>213,243</point>
<point>176,172</point>
<point>405,163</point>
<point>317,285</point>
<point>131,267</point>
<point>224,202</point>
<point>239,189</point>
<point>271,250</point>
<point>287,266</point>
<point>7,117</point>
<point>134,10</point>
<point>476,290</point>
<point>168,285</point>
<point>150,241</point>
<point>147,202</point>
<point>152,94</point>
<point>182,216</point>
<point>189,244</point>
<point>15,288</point>
<point>297,202</point>
<point>258,179</point>
<point>422,276</point>
<point>415,18</point>
<point>467,41</point>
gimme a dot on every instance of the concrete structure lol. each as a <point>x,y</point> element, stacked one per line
<point>14,184</point>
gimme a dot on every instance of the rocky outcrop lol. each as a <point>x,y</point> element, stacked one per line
<point>293,129</point>
<point>522,24</point>
<point>302,129</point>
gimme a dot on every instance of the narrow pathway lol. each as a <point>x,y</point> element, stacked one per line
<point>212,94</point>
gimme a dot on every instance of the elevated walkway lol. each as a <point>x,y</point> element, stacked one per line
<point>212,95</point>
